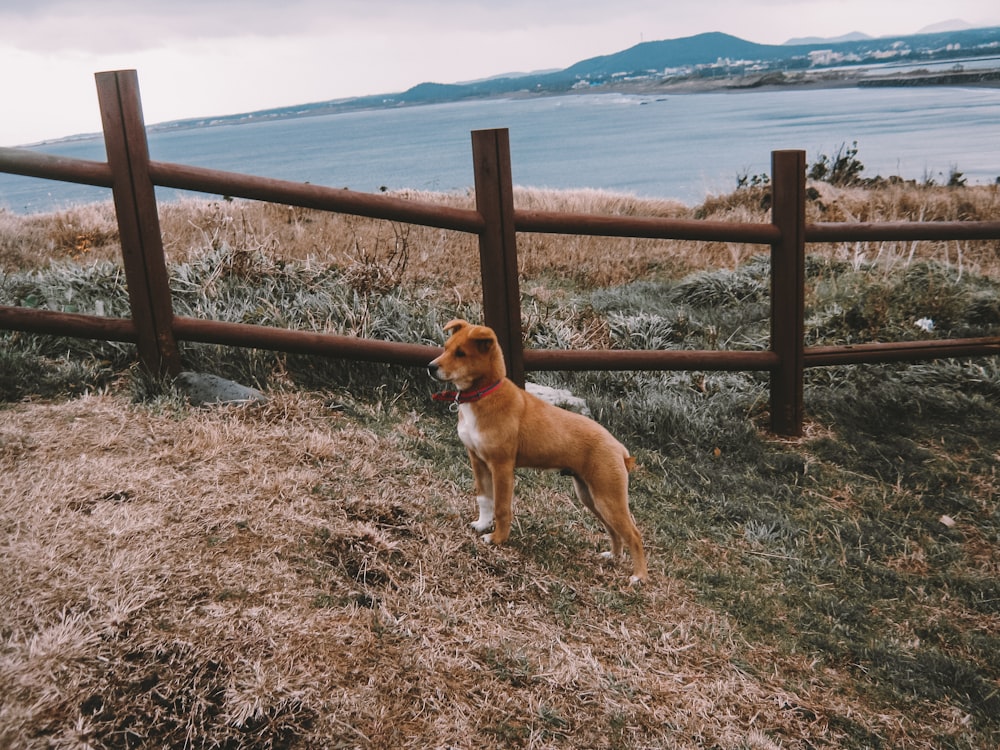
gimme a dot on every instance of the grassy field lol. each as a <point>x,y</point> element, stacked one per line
<point>300,573</point>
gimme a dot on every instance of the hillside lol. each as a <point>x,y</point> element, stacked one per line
<point>703,49</point>
<point>712,55</point>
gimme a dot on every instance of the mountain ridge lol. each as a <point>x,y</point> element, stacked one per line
<point>853,36</point>
<point>709,55</point>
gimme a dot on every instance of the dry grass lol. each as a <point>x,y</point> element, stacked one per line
<point>448,261</point>
<point>288,575</point>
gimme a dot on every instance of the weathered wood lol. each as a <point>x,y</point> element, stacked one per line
<point>900,351</point>
<point>67,324</point>
<point>53,167</point>
<point>318,197</point>
<point>553,222</point>
<point>303,342</point>
<point>138,220</point>
<point>902,231</point>
<point>788,188</point>
<point>632,359</point>
<point>498,245</point>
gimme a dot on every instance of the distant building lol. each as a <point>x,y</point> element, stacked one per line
<point>822,57</point>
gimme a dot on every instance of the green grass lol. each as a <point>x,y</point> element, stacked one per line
<point>831,554</point>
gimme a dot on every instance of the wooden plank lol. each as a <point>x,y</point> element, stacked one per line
<point>553,222</point>
<point>67,324</point>
<point>138,220</point>
<point>498,245</point>
<point>54,167</point>
<point>318,197</point>
<point>901,351</point>
<point>788,186</point>
<point>303,342</point>
<point>902,231</point>
<point>641,359</point>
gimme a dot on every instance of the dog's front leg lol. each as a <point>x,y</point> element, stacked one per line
<point>484,492</point>
<point>503,502</point>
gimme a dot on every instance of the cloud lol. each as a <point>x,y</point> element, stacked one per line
<point>107,26</point>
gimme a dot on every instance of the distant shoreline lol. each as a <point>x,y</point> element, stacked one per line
<point>771,81</point>
<point>986,78</point>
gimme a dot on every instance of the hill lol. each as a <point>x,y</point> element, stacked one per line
<point>702,49</point>
<point>712,55</point>
<point>854,36</point>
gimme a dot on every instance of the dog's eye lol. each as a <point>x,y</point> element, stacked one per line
<point>459,353</point>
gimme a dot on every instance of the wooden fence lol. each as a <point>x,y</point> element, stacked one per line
<point>155,330</point>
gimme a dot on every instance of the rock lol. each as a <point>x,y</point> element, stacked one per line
<point>558,397</point>
<point>203,389</point>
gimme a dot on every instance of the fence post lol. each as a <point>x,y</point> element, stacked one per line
<point>138,221</point>
<point>498,245</point>
<point>788,213</point>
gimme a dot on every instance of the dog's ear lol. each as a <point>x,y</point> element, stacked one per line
<point>455,325</point>
<point>483,338</point>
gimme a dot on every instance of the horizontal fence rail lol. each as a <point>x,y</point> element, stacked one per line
<point>47,166</point>
<point>903,231</point>
<point>900,351</point>
<point>32,320</point>
<point>154,329</point>
<point>315,196</point>
<point>303,342</point>
<point>637,359</point>
<point>645,228</point>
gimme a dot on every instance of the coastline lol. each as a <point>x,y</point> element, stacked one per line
<point>769,81</point>
<point>804,80</point>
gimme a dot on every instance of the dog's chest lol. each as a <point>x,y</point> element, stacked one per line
<point>468,429</point>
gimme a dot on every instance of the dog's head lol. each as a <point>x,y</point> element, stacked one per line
<point>471,358</point>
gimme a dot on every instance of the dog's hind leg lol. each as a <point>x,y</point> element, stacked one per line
<point>583,492</point>
<point>626,530</point>
<point>609,502</point>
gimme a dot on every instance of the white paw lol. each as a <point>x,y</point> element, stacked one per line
<point>487,538</point>
<point>635,581</point>
<point>608,555</point>
<point>485,519</point>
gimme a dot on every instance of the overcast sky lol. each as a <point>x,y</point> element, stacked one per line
<point>213,57</point>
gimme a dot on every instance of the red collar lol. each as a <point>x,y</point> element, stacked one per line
<point>466,397</point>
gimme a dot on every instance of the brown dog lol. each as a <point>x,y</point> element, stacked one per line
<point>503,427</point>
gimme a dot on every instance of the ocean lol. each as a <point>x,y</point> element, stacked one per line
<point>682,147</point>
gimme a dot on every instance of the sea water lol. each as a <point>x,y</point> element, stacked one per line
<point>682,147</point>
